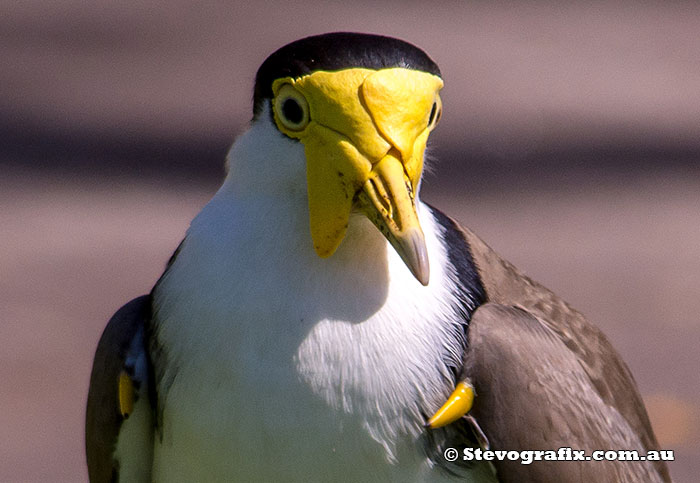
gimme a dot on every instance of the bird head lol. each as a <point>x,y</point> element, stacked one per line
<point>363,107</point>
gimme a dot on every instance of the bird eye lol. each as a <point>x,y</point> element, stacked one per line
<point>435,113</point>
<point>291,108</point>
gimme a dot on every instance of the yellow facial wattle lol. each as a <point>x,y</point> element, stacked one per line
<point>364,133</point>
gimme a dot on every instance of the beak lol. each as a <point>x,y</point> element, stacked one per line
<point>387,199</point>
<point>364,149</point>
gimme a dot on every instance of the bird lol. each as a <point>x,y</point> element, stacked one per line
<point>320,322</point>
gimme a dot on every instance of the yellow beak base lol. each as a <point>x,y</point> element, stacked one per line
<point>388,201</point>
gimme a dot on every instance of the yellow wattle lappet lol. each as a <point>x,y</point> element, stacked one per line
<point>364,133</point>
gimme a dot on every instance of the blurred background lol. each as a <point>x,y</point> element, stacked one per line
<point>570,142</point>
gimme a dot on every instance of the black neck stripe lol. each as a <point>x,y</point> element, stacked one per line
<point>470,291</point>
<point>337,51</point>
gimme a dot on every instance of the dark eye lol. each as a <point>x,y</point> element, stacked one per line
<point>435,113</point>
<point>291,109</point>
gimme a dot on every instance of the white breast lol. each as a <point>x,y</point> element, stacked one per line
<point>282,365</point>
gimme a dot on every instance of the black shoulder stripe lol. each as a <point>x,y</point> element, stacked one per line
<point>336,51</point>
<point>470,295</point>
<point>471,290</point>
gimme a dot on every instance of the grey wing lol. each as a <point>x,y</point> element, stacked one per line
<point>119,419</point>
<point>534,393</point>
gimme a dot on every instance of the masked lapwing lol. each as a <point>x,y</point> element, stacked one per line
<point>319,322</point>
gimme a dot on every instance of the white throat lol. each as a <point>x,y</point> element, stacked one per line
<point>279,341</point>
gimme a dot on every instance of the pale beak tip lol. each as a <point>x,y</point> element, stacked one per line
<point>422,274</point>
<point>415,254</point>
